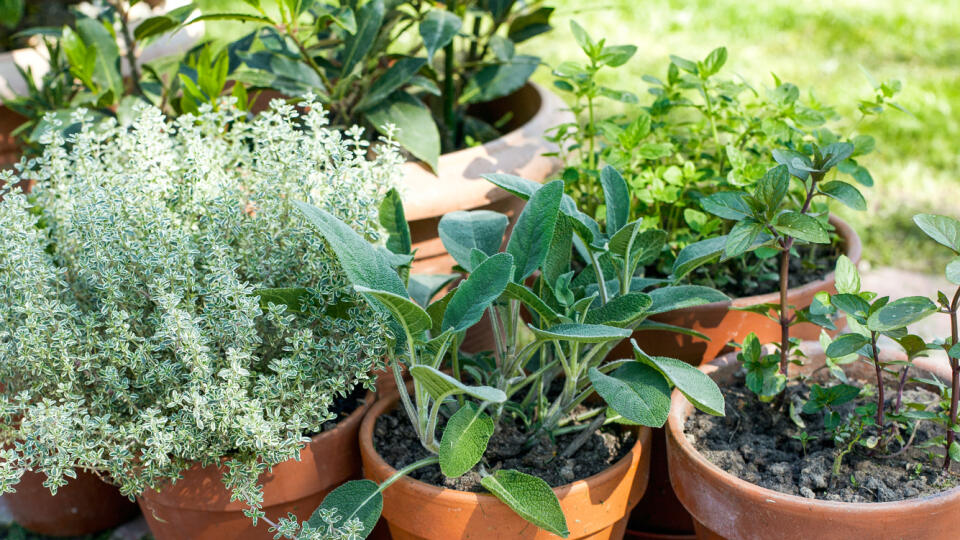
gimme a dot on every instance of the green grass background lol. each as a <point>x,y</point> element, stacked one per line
<point>818,45</point>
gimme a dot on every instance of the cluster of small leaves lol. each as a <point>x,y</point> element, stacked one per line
<point>324,524</point>
<point>132,342</point>
<point>578,317</point>
<point>416,65</point>
<point>700,134</point>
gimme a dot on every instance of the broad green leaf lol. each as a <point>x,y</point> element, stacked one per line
<point>398,75</point>
<point>954,451</point>
<point>802,227</point>
<point>532,302</point>
<point>475,294</point>
<point>439,384</point>
<point>406,311</point>
<point>846,276</point>
<point>773,187</point>
<point>106,72</point>
<point>835,153</point>
<point>697,254</point>
<point>530,497</point>
<point>844,193</point>
<point>363,264</point>
<point>943,229</point>
<point>581,36</point>
<point>616,55</point>
<point>900,313</point>
<point>683,296</point>
<point>530,24</point>
<point>798,164</point>
<point>423,287</point>
<point>621,311</point>
<point>360,499</point>
<point>851,304</point>
<point>531,235</point>
<point>616,197</point>
<point>499,80</point>
<point>393,220</point>
<point>464,440</point>
<point>580,333</point>
<point>637,247</point>
<point>292,297</point>
<point>462,231</point>
<point>438,29</point>
<point>636,391</point>
<point>953,271</point>
<point>727,204</point>
<point>437,310</point>
<point>741,238</point>
<point>846,344</point>
<point>357,45</point>
<point>714,61</point>
<point>692,383</point>
<point>416,129</point>
<point>560,254</point>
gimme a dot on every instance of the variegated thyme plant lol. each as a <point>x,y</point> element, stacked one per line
<point>132,340</point>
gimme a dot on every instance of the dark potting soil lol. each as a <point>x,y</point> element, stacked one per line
<point>396,441</point>
<point>54,13</point>
<point>754,442</point>
<point>344,406</point>
<point>741,277</point>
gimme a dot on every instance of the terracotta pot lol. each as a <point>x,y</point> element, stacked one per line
<point>660,515</point>
<point>458,185</point>
<point>85,505</point>
<point>724,506</point>
<point>596,507</point>
<point>723,325</point>
<point>198,506</point>
<point>9,149</point>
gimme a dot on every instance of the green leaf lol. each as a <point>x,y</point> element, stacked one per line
<point>360,499</point>
<point>616,196</point>
<point>621,311</point>
<point>398,75</point>
<point>106,72</point>
<point>802,227</point>
<point>954,451</point>
<point>438,29</point>
<point>533,232</point>
<point>683,296</point>
<point>698,388</point>
<point>580,333</point>
<point>714,61</point>
<point>727,204</point>
<point>773,187</point>
<point>530,497</point>
<point>798,164</point>
<point>953,271</point>
<point>499,80</point>
<point>846,276</point>
<point>406,311</point>
<point>560,254</point>
<point>616,55</point>
<point>292,297</point>
<point>943,229</point>
<point>475,294</point>
<point>846,344</point>
<point>438,384</point>
<point>636,391</point>
<point>416,130</point>
<point>464,440</point>
<point>529,25</point>
<point>357,45</point>
<point>393,220</point>
<point>900,313</point>
<point>697,254</point>
<point>851,304</point>
<point>363,264</point>
<point>423,287</point>
<point>462,231</point>
<point>835,153</point>
<point>532,302</point>
<point>742,238</point>
<point>844,193</point>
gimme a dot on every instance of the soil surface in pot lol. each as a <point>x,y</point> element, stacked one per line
<point>750,276</point>
<point>756,443</point>
<point>396,441</point>
<point>344,406</point>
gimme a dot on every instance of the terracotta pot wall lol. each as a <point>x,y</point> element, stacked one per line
<point>199,507</point>
<point>725,506</point>
<point>595,508</point>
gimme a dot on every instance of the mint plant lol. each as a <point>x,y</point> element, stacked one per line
<point>577,318</point>
<point>140,332</point>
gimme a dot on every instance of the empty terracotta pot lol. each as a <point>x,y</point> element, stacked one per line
<point>723,325</point>
<point>596,507</point>
<point>198,506</point>
<point>726,507</point>
<point>85,505</point>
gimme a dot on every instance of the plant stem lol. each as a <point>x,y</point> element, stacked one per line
<point>131,46</point>
<point>901,383</point>
<point>784,319</point>
<point>713,127</point>
<point>584,436</point>
<point>876,364</point>
<point>955,380</point>
<point>599,271</point>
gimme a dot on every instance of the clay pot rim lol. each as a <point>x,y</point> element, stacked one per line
<point>428,490</point>
<point>681,408</point>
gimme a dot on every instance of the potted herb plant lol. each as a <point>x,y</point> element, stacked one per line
<point>148,334</point>
<point>842,442</point>
<point>446,75</point>
<point>697,135</point>
<point>465,450</point>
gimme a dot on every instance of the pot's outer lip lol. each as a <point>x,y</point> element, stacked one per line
<point>384,404</point>
<point>518,152</point>
<point>821,510</point>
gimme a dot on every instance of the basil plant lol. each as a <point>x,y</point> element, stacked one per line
<point>554,327</point>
